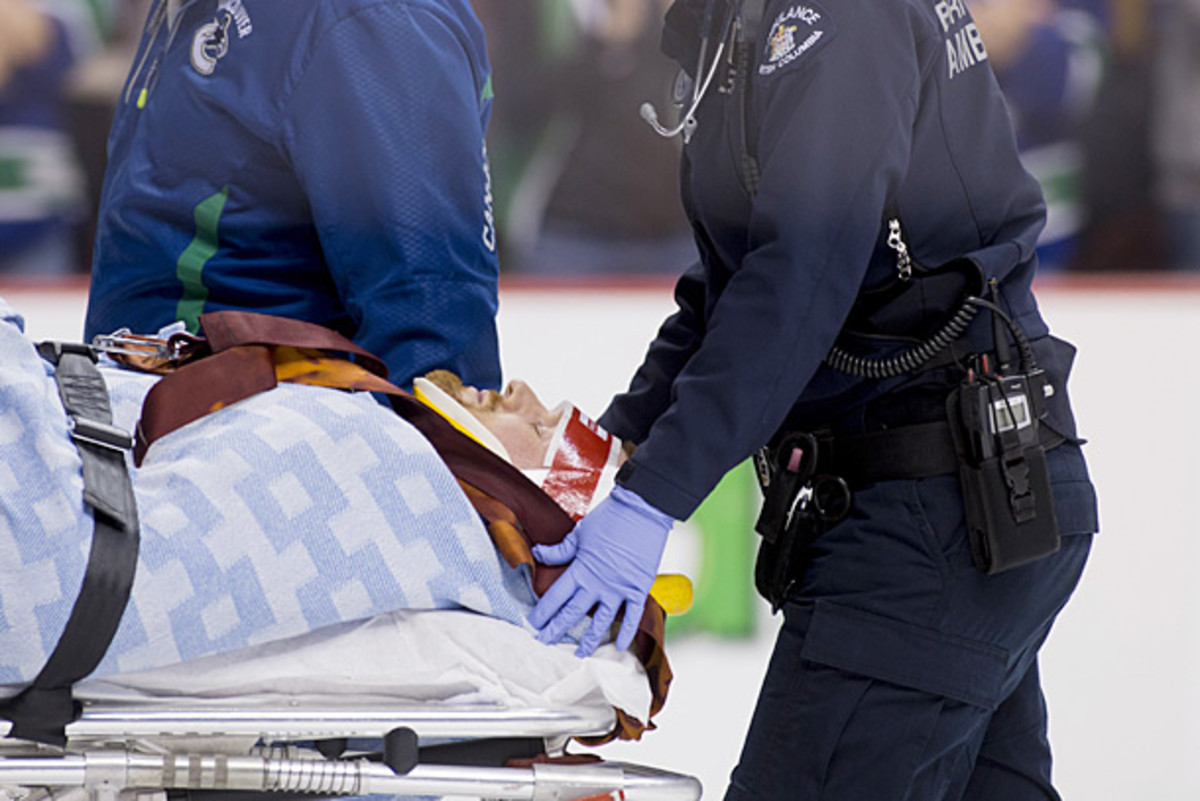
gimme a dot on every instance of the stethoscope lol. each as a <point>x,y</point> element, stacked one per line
<point>687,119</point>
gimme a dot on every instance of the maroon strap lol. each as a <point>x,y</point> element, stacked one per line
<point>199,388</point>
<point>228,329</point>
<point>543,520</point>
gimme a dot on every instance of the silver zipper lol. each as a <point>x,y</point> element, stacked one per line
<point>896,242</point>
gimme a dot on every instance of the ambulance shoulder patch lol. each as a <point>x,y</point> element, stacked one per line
<point>798,32</point>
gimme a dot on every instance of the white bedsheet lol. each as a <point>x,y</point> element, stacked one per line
<point>428,656</point>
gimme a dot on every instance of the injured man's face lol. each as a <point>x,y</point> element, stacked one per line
<point>522,423</point>
<point>561,450</point>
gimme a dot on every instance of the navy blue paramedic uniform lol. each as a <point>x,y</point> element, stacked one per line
<point>901,671</point>
<point>323,161</point>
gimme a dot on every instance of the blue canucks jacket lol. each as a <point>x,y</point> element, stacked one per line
<point>322,160</point>
<point>855,111</point>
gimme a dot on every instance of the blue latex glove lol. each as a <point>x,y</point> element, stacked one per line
<point>616,549</point>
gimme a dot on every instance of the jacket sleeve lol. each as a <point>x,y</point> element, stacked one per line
<point>385,129</point>
<point>834,135</point>
<point>631,414</point>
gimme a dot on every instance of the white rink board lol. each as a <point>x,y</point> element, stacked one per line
<point>1122,668</point>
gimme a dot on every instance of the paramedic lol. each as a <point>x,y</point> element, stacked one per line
<point>852,179</point>
<point>326,165</point>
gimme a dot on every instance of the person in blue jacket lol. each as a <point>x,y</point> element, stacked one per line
<point>861,314</point>
<point>324,162</point>
<point>42,197</point>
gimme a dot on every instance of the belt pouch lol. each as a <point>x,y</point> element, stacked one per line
<point>789,526</point>
<point>1005,482</point>
<point>777,524</point>
<point>781,557</point>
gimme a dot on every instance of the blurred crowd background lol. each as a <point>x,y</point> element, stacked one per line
<point>1104,95</point>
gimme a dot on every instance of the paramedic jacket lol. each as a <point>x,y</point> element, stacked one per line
<point>852,109</point>
<point>323,161</point>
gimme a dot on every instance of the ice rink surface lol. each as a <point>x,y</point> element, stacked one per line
<point>1121,669</point>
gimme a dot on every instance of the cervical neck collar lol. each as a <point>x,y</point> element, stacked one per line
<point>581,463</point>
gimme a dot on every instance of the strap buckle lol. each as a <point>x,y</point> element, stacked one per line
<point>151,354</point>
<point>104,435</point>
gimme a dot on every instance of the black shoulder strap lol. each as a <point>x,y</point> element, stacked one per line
<point>42,710</point>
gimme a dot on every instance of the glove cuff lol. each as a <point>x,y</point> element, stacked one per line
<point>637,503</point>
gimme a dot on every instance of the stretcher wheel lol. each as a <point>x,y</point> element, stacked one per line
<point>400,750</point>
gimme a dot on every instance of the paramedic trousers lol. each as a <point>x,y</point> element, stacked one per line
<point>901,672</point>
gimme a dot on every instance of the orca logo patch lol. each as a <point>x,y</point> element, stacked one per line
<point>210,44</point>
<point>211,41</point>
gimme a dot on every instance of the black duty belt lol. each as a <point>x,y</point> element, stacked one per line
<point>42,710</point>
<point>908,452</point>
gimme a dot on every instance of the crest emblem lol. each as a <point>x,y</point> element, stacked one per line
<point>781,42</point>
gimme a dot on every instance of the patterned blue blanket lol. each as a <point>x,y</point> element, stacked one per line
<point>294,509</point>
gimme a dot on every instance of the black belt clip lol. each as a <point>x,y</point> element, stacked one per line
<point>792,463</point>
<point>799,503</point>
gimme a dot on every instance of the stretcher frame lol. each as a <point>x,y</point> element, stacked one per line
<point>169,750</point>
<point>138,751</point>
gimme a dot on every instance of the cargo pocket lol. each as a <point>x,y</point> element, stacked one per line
<point>904,654</point>
<point>858,705</point>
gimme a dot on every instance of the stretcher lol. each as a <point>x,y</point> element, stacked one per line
<point>317,609</point>
<point>235,731</point>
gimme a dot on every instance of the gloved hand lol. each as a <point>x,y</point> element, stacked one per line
<point>616,549</point>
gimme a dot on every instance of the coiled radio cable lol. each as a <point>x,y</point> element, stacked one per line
<point>881,367</point>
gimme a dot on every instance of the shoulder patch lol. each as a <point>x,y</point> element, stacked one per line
<point>796,33</point>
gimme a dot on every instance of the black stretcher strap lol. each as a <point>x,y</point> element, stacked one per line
<point>42,710</point>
